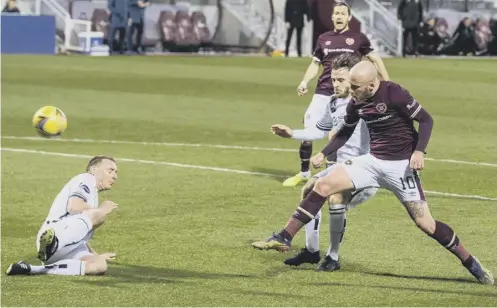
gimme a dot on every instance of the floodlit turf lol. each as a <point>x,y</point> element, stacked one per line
<point>183,234</point>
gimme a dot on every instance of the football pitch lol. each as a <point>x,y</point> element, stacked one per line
<point>200,179</point>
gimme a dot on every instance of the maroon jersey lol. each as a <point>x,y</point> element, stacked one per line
<point>330,45</point>
<point>389,116</point>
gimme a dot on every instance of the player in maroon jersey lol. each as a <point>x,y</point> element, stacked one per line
<point>397,152</point>
<point>329,46</point>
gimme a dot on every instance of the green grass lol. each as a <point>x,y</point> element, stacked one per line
<point>183,235</point>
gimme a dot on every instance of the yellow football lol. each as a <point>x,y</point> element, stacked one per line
<point>49,121</point>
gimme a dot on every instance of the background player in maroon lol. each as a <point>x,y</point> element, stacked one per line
<point>397,152</point>
<point>329,46</point>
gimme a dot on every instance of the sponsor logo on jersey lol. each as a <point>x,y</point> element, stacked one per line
<point>85,188</point>
<point>381,107</point>
<point>380,119</point>
<point>337,50</point>
<point>411,105</point>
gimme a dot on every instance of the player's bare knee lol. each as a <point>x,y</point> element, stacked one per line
<point>308,187</point>
<point>96,266</point>
<point>324,186</point>
<point>306,143</point>
<point>340,198</point>
<point>335,199</point>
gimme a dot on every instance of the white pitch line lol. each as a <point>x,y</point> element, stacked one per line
<point>217,146</point>
<point>142,161</point>
<point>437,193</point>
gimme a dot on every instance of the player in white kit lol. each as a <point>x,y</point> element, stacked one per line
<point>62,241</point>
<point>357,145</point>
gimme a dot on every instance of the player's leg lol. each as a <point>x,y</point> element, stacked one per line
<point>68,261</point>
<point>355,173</point>
<point>75,230</point>
<point>339,204</point>
<point>310,253</point>
<point>406,185</point>
<point>338,211</point>
<point>313,114</point>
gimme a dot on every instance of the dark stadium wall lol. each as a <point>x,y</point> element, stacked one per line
<point>320,11</point>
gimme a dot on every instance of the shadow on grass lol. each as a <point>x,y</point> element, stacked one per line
<point>135,274</point>
<point>412,289</point>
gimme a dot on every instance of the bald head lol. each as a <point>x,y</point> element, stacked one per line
<point>363,72</point>
<point>363,80</point>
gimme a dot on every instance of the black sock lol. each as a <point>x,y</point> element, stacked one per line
<point>447,238</point>
<point>331,159</point>
<point>305,155</point>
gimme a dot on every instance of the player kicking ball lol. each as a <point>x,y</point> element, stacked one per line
<point>396,153</point>
<point>357,145</point>
<point>62,241</point>
<point>329,45</point>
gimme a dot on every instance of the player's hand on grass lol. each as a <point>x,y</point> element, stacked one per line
<point>282,130</point>
<point>317,160</point>
<point>302,88</point>
<point>109,206</point>
<point>417,160</point>
<point>109,256</point>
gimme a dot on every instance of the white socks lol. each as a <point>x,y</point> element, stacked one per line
<point>63,267</point>
<point>305,175</point>
<point>337,228</point>
<point>312,233</point>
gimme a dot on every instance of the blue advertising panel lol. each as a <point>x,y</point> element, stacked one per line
<point>26,34</point>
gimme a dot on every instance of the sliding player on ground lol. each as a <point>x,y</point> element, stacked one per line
<point>62,241</point>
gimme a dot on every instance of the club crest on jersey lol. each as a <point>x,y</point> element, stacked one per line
<point>85,188</point>
<point>349,41</point>
<point>348,162</point>
<point>327,43</point>
<point>381,107</point>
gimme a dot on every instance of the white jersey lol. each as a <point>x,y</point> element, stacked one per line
<point>82,186</point>
<point>358,144</point>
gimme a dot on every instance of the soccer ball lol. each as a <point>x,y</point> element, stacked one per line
<point>49,121</point>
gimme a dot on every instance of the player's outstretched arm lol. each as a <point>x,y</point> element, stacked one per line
<point>311,73</point>
<point>309,134</point>
<point>380,66</point>
<point>107,255</point>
